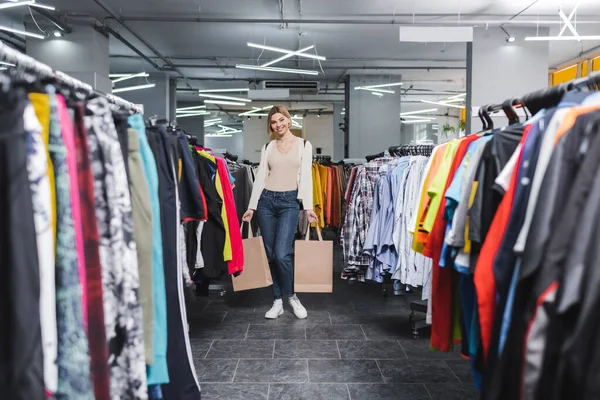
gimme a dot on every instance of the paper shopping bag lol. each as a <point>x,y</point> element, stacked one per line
<point>257,273</point>
<point>313,270</point>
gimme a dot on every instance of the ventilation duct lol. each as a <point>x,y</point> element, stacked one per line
<point>295,87</point>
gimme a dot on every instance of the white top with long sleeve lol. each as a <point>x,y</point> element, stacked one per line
<point>304,177</point>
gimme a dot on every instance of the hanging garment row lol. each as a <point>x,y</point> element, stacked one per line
<point>328,182</point>
<point>513,246</point>
<point>98,311</point>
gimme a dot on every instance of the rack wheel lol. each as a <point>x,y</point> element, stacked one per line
<point>416,335</point>
<point>222,293</point>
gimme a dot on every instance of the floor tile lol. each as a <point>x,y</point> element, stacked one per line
<point>334,332</point>
<point>241,349</point>
<point>281,371</point>
<point>234,391</point>
<point>207,317</point>
<point>419,349</point>
<point>388,392</point>
<point>462,370</point>
<point>344,371</point>
<point>306,349</point>
<point>200,347</point>
<point>359,318</point>
<point>452,392</point>
<point>387,331</point>
<point>308,391</point>
<point>222,305</point>
<point>215,370</point>
<point>219,332</point>
<point>416,371</point>
<point>370,349</point>
<point>276,332</point>
<point>314,318</point>
<point>246,318</point>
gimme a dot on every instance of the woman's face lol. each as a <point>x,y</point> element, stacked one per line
<point>280,124</point>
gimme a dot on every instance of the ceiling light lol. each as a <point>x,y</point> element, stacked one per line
<point>275,69</point>
<point>117,75</point>
<point>215,96</point>
<point>20,32</point>
<point>560,38</point>
<point>289,55</point>
<point>131,76</point>
<point>458,96</point>
<point>6,63</point>
<point>383,85</point>
<point>3,68</point>
<point>15,4</point>
<point>217,135</point>
<point>191,111</point>
<point>257,115</point>
<point>190,108</point>
<point>40,5</point>
<point>254,111</point>
<point>131,88</point>
<point>343,113</point>
<point>223,90</point>
<point>377,94</point>
<point>208,121</point>
<point>429,110</point>
<point>230,103</point>
<point>319,115</point>
<point>374,90</point>
<point>416,117</point>
<point>511,39</point>
<point>279,50</point>
<point>57,34</point>
<point>192,114</point>
<point>442,104</point>
<point>416,121</point>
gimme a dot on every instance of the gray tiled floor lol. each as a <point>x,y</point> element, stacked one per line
<point>354,345</point>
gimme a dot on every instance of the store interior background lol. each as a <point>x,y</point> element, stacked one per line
<point>185,46</point>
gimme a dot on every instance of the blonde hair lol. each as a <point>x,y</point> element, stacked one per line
<point>277,110</point>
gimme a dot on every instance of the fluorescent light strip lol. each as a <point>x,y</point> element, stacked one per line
<point>223,90</point>
<point>255,110</point>
<point>45,6</point>
<point>6,63</point>
<point>190,108</point>
<point>124,78</point>
<point>192,111</point>
<point>289,55</point>
<point>208,121</point>
<point>226,128</point>
<point>374,90</point>
<point>377,94</point>
<point>280,50</point>
<point>191,115</point>
<point>20,32</point>
<point>216,96</point>
<point>416,117</point>
<point>429,110</point>
<point>275,69</point>
<point>458,96</point>
<point>230,103</point>
<point>383,85</point>
<point>416,121</point>
<point>217,135</point>
<point>257,115</point>
<point>560,38</point>
<point>131,88</point>
<point>442,104</point>
<point>15,4</point>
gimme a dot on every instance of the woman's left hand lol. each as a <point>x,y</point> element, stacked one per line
<point>312,217</point>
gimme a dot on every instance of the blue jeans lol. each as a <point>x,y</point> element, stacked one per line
<point>277,215</point>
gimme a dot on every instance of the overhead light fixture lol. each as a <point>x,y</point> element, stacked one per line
<point>230,103</point>
<point>16,4</point>
<point>279,50</point>
<point>319,115</point>
<point>57,34</point>
<point>130,76</point>
<point>458,96</point>
<point>3,68</point>
<point>191,111</point>
<point>442,104</point>
<point>20,32</point>
<point>416,121</point>
<point>216,135</point>
<point>408,117</point>
<point>560,38</point>
<point>276,69</point>
<point>131,88</point>
<point>289,55</point>
<point>44,6</point>
<point>511,39</point>
<point>223,90</point>
<point>567,24</point>
<point>374,90</point>
<point>6,63</point>
<point>208,121</point>
<point>257,115</point>
<point>190,108</point>
<point>255,110</point>
<point>377,94</point>
<point>215,96</point>
<point>385,85</point>
<point>192,114</point>
<point>429,110</point>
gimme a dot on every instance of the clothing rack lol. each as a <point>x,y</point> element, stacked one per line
<point>411,150</point>
<point>25,64</point>
<point>322,159</point>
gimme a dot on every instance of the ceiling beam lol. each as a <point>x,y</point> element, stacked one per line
<point>338,67</point>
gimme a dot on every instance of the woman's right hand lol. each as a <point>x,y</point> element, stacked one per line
<point>248,216</point>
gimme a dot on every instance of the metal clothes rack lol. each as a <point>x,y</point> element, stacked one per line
<point>37,70</point>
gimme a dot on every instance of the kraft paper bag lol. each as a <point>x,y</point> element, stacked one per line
<point>257,273</point>
<point>313,270</point>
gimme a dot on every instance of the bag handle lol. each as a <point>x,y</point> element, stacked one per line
<point>318,228</point>
<point>250,233</point>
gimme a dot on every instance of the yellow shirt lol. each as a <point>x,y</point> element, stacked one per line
<point>227,251</point>
<point>41,104</point>
<point>318,204</point>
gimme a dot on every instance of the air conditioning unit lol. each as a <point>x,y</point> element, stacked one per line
<point>295,87</point>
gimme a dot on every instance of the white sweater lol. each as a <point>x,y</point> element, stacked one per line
<point>305,186</point>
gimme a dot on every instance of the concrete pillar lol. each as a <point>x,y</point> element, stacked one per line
<point>374,120</point>
<point>193,126</point>
<point>82,54</point>
<point>338,133</point>
<point>500,70</point>
<point>157,100</point>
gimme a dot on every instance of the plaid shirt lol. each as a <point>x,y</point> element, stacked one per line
<point>358,213</point>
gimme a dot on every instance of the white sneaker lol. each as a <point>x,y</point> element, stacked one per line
<point>299,309</point>
<point>276,310</point>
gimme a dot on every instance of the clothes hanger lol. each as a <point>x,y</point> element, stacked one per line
<point>483,121</point>
<point>510,112</point>
<point>486,116</point>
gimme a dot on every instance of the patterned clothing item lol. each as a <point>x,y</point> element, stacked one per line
<point>37,167</point>
<point>122,311</point>
<point>74,381</point>
<point>96,327</point>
